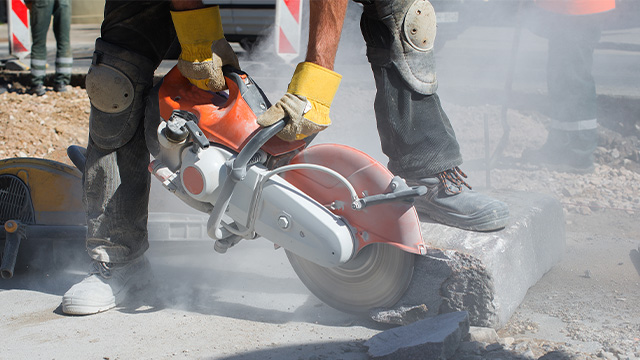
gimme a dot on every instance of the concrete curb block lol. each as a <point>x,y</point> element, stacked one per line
<point>488,274</point>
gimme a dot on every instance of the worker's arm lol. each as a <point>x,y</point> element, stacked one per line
<point>308,99</point>
<point>325,26</point>
<point>204,49</point>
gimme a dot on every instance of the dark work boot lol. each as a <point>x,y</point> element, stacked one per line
<point>59,87</point>
<point>38,90</point>
<point>567,151</point>
<point>450,201</point>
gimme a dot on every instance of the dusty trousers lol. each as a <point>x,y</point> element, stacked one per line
<point>414,130</point>
<point>116,179</point>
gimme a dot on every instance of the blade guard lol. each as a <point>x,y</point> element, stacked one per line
<point>395,223</point>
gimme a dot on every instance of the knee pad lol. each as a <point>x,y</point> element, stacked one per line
<point>116,84</point>
<point>411,32</point>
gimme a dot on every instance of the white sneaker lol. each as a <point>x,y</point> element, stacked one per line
<point>106,286</point>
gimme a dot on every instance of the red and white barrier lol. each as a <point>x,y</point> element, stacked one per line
<point>288,28</point>
<point>18,24</point>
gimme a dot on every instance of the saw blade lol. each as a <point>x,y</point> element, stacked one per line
<point>377,277</point>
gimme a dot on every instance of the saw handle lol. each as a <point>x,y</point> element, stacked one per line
<point>237,170</point>
<point>400,192</point>
<point>249,90</point>
<point>239,164</point>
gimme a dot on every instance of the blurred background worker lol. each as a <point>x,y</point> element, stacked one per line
<point>41,13</point>
<point>573,28</point>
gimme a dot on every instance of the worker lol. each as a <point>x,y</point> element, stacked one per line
<point>41,12</point>
<point>573,30</point>
<point>415,132</point>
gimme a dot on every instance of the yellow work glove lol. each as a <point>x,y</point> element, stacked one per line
<point>204,48</point>
<point>306,103</point>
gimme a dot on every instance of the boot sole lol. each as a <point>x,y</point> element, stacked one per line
<point>486,220</point>
<point>71,309</point>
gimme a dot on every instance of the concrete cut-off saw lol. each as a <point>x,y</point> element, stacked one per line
<point>347,224</point>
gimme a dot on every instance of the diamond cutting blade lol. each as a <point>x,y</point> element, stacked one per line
<point>377,277</point>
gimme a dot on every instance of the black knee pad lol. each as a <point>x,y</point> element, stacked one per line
<point>401,33</point>
<point>116,83</point>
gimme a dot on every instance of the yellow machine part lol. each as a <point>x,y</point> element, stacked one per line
<point>55,188</point>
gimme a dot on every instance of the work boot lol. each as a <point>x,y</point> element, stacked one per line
<point>38,90</point>
<point>566,151</point>
<point>59,87</point>
<point>106,286</point>
<point>450,201</point>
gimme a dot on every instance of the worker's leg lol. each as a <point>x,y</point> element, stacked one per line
<point>62,31</point>
<point>134,37</point>
<point>40,16</point>
<point>572,136</point>
<point>414,130</point>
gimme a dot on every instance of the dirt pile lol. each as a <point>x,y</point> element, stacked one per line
<point>44,126</point>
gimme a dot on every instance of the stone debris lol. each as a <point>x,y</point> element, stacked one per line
<point>403,315</point>
<point>482,334</point>
<point>433,338</point>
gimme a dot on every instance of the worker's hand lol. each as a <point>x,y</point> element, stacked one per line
<point>204,49</point>
<point>306,103</point>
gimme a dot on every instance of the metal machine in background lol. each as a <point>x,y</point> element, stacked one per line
<point>40,205</point>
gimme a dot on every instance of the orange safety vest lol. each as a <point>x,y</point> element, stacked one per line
<point>577,7</point>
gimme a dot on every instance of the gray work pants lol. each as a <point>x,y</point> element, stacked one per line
<point>414,130</point>
<point>116,181</point>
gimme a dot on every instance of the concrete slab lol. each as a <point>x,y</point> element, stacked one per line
<point>488,274</point>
